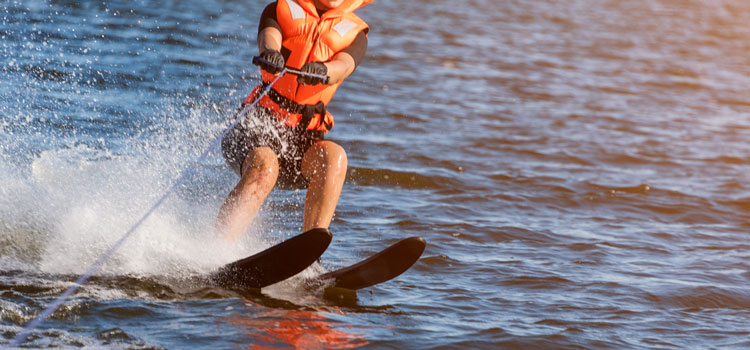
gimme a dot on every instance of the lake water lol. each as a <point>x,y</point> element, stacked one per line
<point>580,170</point>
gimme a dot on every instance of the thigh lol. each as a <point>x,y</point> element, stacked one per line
<point>252,132</point>
<point>298,142</point>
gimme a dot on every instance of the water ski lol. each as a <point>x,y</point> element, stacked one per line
<point>274,264</point>
<point>381,267</point>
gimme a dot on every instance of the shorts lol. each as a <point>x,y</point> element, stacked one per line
<point>261,128</point>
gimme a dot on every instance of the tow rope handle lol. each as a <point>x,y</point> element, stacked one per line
<point>257,60</point>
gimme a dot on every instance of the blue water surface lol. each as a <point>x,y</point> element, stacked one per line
<point>579,170</point>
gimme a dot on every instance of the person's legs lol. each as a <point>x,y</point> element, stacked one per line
<point>260,169</point>
<point>324,166</point>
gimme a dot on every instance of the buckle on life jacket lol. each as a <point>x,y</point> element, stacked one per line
<point>306,111</point>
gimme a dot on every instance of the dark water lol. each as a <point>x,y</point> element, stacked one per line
<point>579,170</point>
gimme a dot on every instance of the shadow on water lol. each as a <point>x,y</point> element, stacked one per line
<point>312,294</point>
<point>27,288</point>
<point>268,321</point>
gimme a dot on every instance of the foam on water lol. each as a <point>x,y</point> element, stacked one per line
<point>73,203</point>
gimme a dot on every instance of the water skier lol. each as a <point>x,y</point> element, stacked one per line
<point>283,141</point>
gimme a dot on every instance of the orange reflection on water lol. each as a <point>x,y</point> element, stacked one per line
<point>278,329</point>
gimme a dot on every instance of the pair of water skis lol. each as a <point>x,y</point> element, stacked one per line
<point>290,257</point>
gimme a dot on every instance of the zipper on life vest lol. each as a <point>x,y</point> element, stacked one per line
<point>316,37</point>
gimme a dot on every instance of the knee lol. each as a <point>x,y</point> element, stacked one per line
<point>261,164</point>
<point>335,156</point>
<point>327,157</point>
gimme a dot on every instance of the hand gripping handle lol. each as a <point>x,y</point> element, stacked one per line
<point>257,61</point>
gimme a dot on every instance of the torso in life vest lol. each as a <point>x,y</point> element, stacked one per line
<point>309,38</point>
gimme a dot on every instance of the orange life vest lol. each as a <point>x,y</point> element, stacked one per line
<point>309,38</point>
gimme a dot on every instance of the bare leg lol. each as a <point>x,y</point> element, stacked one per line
<point>260,169</point>
<point>324,166</point>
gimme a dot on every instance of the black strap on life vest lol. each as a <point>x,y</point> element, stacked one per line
<point>308,111</point>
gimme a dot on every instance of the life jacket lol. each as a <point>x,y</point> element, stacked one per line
<point>307,37</point>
